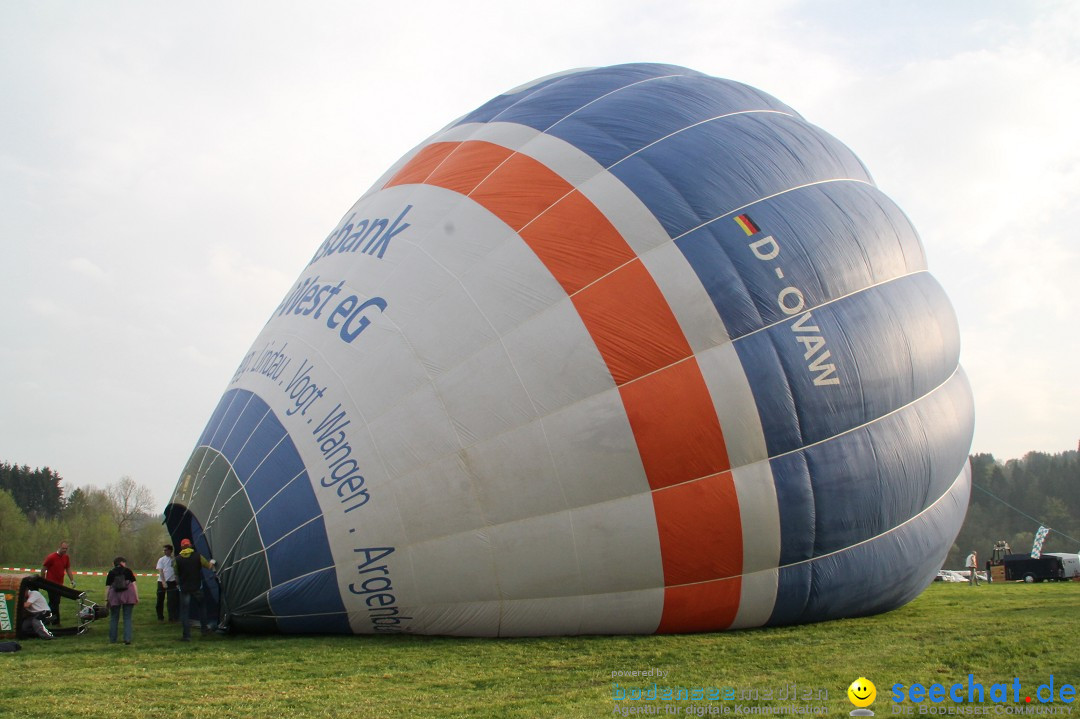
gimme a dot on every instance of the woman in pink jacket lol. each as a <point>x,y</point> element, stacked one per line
<point>123,595</point>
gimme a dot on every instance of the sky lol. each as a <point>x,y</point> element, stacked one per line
<point>167,170</point>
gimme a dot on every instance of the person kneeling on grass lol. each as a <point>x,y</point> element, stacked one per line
<point>122,597</point>
<point>37,613</point>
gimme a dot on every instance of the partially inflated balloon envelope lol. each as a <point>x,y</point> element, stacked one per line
<point>625,350</point>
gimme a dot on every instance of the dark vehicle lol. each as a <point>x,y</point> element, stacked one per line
<point>1022,567</point>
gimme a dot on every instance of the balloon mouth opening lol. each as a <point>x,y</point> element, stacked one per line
<point>181,524</point>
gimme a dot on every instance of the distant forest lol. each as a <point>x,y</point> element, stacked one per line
<point>36,515</point>
<point>37,492</point>
<point>1009,500</point>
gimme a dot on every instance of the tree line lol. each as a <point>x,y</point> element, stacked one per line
<point>98,524</point>
<point>1009,500</point>
<point>37,491</point>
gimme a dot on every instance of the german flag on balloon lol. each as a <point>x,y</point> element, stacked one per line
<point>747,225</point>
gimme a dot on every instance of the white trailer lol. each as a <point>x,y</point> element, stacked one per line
<point>1071,563</point>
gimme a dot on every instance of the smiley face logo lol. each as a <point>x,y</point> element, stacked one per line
<point>862,692</point>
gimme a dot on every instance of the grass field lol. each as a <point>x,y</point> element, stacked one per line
<point>997,633</point>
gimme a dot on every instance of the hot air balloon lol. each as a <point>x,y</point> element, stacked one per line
<point>624,350</point>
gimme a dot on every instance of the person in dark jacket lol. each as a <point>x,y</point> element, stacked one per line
<point>189,566</point>
<point>122,596</point>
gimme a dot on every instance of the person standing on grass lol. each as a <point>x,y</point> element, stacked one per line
<point>122,595</point>
<point>55,565</point>
<point>189,566</point>
<point>972,563</point>
<point>167,592</point>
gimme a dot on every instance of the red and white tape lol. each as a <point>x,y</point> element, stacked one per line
<point>83,574</point>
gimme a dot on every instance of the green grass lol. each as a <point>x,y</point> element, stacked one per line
<point>997,633</point>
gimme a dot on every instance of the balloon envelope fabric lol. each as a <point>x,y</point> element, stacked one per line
<point>625,350</point>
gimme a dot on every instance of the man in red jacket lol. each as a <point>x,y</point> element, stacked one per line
<point>55,565</point>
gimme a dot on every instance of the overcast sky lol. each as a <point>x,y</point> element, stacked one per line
<point>167,169</point>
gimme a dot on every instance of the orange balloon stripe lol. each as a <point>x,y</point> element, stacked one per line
<point>577,264</point>
<point>704,607</point>
<point>677,431</point>
<point>665,396</point>
<point>471,163</point>
<point>695,545</point>
<point>419,168</point>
